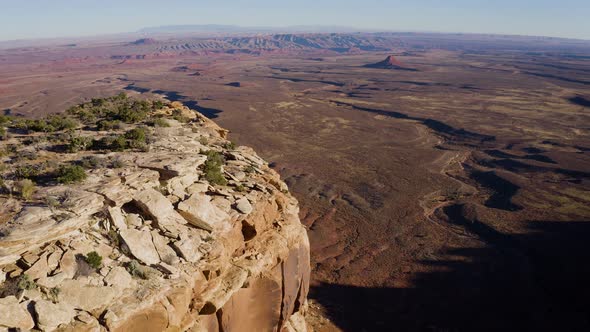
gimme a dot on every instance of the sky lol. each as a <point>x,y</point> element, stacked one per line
<point>28,19</point>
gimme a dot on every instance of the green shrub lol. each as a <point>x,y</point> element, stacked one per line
<point>27,172</point>
<point>5,119</point>
<point>25,188</point>
<point>119,144</point>
<point>120,96</point>
<point>133,113</point>
<point>117,163</point>
<point>157,104</point>
<point>59,122</point>
<point>93,162</point>
<point>159,122</point>
<point>93,259</point>
<point>3,134</point>
<point>24,282</point>
<point>229,145</point>
<point>136,134</point>
<point>71,174</point>
<point>11,149</point>
<point>79,143</point>
<point>136,270</point>
<point>107,125</point>
<point>250,169</point>
<point>113,143</point>
<point>48,125</point>
<point>54,293</point>
<point>212,168</point>
<point>97,102</point>
<point>114,237</point>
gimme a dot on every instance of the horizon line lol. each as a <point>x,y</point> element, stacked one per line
<point>271,28</point>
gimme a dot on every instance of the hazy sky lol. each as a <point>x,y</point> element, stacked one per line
<point>59,18</point>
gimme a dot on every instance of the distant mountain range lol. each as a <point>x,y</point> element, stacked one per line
<point>218,28</point>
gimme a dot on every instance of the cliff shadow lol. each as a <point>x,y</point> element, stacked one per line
<point>516,282</point>
<point>211,113</point>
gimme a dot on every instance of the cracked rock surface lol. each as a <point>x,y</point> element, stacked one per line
<point>178,253</point>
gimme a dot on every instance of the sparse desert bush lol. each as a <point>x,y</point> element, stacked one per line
<point>24,282</point>
<point>50,124</point>
<point>26,172</point>
<point>250,169</point>
<point>136,270</point>
<point>93,162</point>
<point>132,113</point>
<point>229,145</point>
<point>120,96</point>
<point>5,119</point>
<point>157,104</point>
<point>60,122</point>
<point>93,259</point>
<point>52,201</point>
<point>117,163</point>
<point>137,135</point>
<point>79,143</point>
<point>97,102</point>
<point>3,133</point>
<point>119,144</point>
<point>212,168</point>
<point>107,125</point>
<point>53,293</point>
<point>25,188</point>
<point>159,122</point>
<point>71,174</point>
<point>113,143</point>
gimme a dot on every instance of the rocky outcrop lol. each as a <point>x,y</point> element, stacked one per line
<point>390,63</point>
<point>178,253</point>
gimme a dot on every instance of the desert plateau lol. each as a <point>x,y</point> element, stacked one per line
<point>443,179</point>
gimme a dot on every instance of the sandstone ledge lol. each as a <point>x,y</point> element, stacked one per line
<point>179,254</point>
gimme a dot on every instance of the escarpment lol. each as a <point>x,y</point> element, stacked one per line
<point>145,218</point>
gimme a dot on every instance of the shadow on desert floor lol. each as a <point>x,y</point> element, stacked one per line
<point>519,282</point>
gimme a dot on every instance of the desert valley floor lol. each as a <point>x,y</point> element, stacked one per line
<point>449,193</point>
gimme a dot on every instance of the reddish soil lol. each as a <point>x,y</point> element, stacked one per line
<point>450,197</point>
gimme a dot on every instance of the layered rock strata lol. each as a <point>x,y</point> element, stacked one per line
<point>178,253</point>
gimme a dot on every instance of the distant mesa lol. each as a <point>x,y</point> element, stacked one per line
<point>145,41</point>
<point>181,69</point>
<point>187,69</point>
<point>390,63</point>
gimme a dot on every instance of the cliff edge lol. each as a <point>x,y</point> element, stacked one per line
<point>156,223</point>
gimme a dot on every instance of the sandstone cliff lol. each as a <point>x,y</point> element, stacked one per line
<point>175,251</point>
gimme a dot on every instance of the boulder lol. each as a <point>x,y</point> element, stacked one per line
<point>140,245</point>
<point>244,206</point>
<point>196,188</point>
<point>166,253</point>
<point>116,217</point>
<point>188,248</point>
<point>200,212</point>
<point>14,315</point>
<point>50,315</point>
<point>68,265</point>
<point>158,207</point>
<point>80,295</point>
<point>39,269</point>
<point>118,277</point>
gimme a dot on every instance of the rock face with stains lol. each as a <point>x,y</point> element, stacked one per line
<point>179,253</point>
